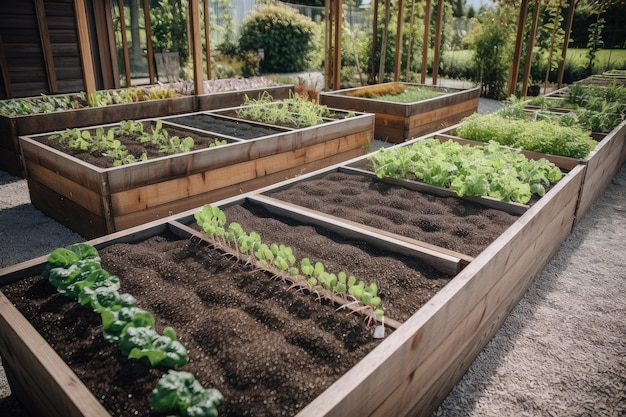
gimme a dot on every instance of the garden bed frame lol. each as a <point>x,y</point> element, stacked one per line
<point>95,201</point>
<point>397,122</point>
<point>409,373</point>
<point>12,127</point>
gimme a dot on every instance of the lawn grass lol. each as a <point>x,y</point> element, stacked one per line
<point>605,58</point>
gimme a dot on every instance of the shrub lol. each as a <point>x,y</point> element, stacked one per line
<point>284,35</point>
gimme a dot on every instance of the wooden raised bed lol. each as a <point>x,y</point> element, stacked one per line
<point>93,201</point>
<point>409,373</point>
<point>13,127</point>
<point>397,122</point>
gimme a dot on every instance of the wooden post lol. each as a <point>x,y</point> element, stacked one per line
<point>44,38</point>
<point>383,45</point>
<point>146,19</point>
<point>517,54</point>
<point>399,26</point>
<point>84,47</point>
<point>207,39</point>
<point>530,46</point>
<point>120,6</point>
<point>427,12</point>
<point>196,44</point>
<point>568,29</point>
<point>410,46</point>
<point>438,30</point>
<point>6,79</point>
<point>337,50</point>
<point>374,42</point>
<point>328,68</point>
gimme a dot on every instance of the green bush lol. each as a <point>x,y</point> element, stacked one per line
<point>284,35</point>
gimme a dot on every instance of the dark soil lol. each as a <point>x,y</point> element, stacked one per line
<point>225,126</point>
<point>447,222</point>
<point>201,141</point>
<point>269,350</point>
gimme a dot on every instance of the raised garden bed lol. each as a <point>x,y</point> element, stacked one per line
<point>408,373</point>
<point>11,127</point>
<point>398,121</point>
<point>95,201</point>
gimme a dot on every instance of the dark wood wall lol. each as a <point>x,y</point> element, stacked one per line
<point>39,50</point>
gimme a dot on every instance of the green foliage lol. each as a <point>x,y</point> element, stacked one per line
<point>169,28</point>
<point>469,170</point>
<point>280,260</point>
<point>284,35</point>
<point>539,136</point>
<point>182,394</point>
<point>76,272</point>
<point>296,111</point>
<point>491,41</point>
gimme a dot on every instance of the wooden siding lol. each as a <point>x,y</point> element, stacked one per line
<point>41,55</point>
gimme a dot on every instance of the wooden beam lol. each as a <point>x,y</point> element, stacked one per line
<point>374,43</point>
<point>399,27</point>
<point>150,51</point>
<point>207,39</point>
<point>427,12</point>
<point>568,30</point>
<point>329,45</point>
<point>337,50</point>
<point>383,45</point>
<point>84,46</point>
<point>438,29</point>
<point>44,37</point>
<point>120,6</point>
<point>198,76</point>
<point>408,51</point>
<point>517,54</point>
<point>530,46</point>
<point>111,43</point>
<point>6,79</point>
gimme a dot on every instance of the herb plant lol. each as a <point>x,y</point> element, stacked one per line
<point>295,111</point>
<point>539,136</point>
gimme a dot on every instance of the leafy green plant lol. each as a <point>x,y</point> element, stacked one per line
<point>76,272</point>
<point>280,261</point>
<point>182,394</point>
<point>296,111</point>
<point>489,170</point>
<point>284,35</point>
<point>539,136</point>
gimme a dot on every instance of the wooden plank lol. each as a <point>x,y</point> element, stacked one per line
<point>58,162</point>
<point>399,357</point>
<point>442,113</point>
<point>4,70</point>
<point>198,200</point>
<point>85,47</point>
<point>226,99</point>
<point>170,190</point>
<point>510,207</point>
<point>480,321</point>
<point>445,263</point>
<point>65,188</point>
<point>44,36</point>
<point>66,212</point>
<point>38,376</point>
<point>602,165</point>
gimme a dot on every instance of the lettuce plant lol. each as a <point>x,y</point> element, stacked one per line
<point>182,394</point>
<point>488,170</point>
